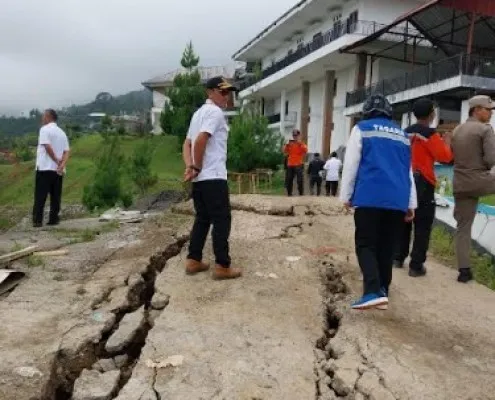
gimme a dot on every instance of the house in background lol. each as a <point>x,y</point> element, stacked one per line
<point>314,66</point>
<point>160,84</point>
<point>303,78</point>
<point>458,64</point>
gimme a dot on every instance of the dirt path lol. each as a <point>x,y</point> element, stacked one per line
<point>284,331</point>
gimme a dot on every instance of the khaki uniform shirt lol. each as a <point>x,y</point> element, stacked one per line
<point>473,144</point>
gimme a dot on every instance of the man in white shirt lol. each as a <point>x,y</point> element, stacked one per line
<point>332,168</point>
<point>205,156</point>
<point>51,159</point>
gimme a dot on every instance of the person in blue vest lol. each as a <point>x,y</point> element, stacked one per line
<point>378,183</point>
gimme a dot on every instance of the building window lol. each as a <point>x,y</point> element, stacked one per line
<point>287,108</point>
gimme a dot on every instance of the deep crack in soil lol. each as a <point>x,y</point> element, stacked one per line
<point>334,291</point>
<point>68,366</point>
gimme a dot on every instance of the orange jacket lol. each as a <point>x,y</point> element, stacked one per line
<point>427,147</point>
<point>296,151</point>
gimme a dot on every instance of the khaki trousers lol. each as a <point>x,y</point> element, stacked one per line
<point>464,214</point>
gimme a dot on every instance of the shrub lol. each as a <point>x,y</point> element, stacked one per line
<point>252,144</point>
<point>140,167</point>
<point>106,189</point>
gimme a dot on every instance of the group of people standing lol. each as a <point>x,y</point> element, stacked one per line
<point>318,170</point>
<point>389,179</point>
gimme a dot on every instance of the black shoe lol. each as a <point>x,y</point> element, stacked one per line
<point>398,264</point>
<point>465,275</point>
<point>53,223</point>
<point>37,225</point>
<point>417,273</point>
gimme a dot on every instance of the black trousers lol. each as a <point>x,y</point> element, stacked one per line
<point>422,224</point>
<point>376,232</point>
<point>315,181</point>
<point>332,187</point>
<point>212,206</point>
<point>294,172</point>
<point>47,182</point>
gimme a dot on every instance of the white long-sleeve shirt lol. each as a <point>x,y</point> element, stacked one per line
<point>351,166</point>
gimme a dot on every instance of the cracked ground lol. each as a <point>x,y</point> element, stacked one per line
<point>283,331</point>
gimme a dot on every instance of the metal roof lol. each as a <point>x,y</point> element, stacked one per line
<point>444,23</point>
<point>227,71</point>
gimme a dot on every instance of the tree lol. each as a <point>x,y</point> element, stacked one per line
<point>121,131</point>
<point>252,144</point>
<point>185,96</point>
<point>140,167</point>
<point>189,59</point>
<point>106,190</point>
<point>22,149</point>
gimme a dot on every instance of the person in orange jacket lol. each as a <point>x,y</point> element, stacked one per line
<point>295,152</point>
<point>427,147</point>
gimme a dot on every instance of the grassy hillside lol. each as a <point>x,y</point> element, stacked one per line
<point>17,182</point>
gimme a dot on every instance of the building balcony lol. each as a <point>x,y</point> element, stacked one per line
<point>361,28</point>
<point>448,75</point>
<point>290,120</point>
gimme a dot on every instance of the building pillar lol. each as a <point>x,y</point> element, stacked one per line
<point>304,111</point>
<point>283,99</point>
<point>360,78</point>
<point>328,97</point>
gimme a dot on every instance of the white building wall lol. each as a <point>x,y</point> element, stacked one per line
<point>342,124</point>
<point>315,126</point>
<point>307,36</point>
<point>385,11</point>
<point>294,98</point>
<point>159,99</point>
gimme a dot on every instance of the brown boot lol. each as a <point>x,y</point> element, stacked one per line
<point>222,273</point>
<point>194,267</point>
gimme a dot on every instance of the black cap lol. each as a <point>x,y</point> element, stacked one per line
<point>423,108</point>
<point>219,82</point>
<point>377,105</point>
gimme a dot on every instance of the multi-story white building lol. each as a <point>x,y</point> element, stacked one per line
<point>160,84</point>
<point>314,66</point>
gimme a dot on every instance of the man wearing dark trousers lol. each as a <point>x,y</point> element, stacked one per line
<point>427,147</point>
<point>315,170</point>
<point>51,160</point>
<point>295,151</point>
<point>377,181</point>
<point>205,156</point>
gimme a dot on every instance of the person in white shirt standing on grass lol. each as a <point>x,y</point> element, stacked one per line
<point>205,156</point>
<point>378,182</point>
<point>51,160</point>
<point>332,168</point>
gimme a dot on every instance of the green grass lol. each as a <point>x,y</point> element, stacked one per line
<point>85,235</point>
<point>17,182</point>
<point>442,247</point>
<point>34,261</point>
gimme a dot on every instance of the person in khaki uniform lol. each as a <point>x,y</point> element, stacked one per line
<point>473,145</point>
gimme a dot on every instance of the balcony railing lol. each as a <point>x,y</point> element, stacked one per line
<point>364,28</point>
<point>461,64</point>
<point>290,117</point>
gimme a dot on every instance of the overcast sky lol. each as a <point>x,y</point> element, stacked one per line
<point>61,52</point>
